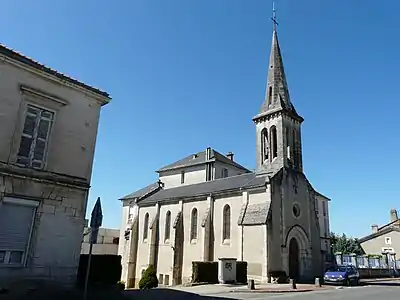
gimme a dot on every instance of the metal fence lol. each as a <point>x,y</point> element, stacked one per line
<point>367,261</point>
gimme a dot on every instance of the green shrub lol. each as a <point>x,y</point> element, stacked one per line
<point>149,279</point>
<point>241,272</point>
<point>205,271</point>
<point>121,285</point>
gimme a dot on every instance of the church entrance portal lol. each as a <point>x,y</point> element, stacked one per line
<point>294,264</point>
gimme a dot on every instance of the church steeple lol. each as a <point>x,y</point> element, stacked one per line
<point>277,93</point>
<point>278,123</point>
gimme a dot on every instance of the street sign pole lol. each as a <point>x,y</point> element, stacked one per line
<point>95,223</point>
<point>88,271</point>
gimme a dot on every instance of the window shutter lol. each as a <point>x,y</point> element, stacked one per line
<point>15,226</point>
<point>27,138</point>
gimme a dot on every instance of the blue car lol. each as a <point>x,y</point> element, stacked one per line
<point>345,275</point>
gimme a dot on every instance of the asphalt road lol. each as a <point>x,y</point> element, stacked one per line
<point>369,291</point>
<point>382,290</point>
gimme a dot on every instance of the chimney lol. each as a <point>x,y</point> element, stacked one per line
<point>374,228</point>
<point>393,215</point>
<point>230,155</point>
<point>208,153</point>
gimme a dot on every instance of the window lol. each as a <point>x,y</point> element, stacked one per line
<point>224,173</point>
<point>324,208</point>
<point>387,250</point>
<point>296,210</point>
<point>34,138</point>
<point>326,227</point>
<point>130,214</point>
<point>16,224</point>
<point>294,141</point>
<point>287,143</point>
<point>388,240</point>
<point>166,279</point>
<point>226,224</point>
<point>167,226</point>
<point>182,177</point>
<point>145,227</point>
<point>116,240</point>
<point>274,142</point>
<point>193,228</point>
<point>270,95</point>
<point>264,145</point>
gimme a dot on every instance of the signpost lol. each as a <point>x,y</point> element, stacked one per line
<point>95,223</point>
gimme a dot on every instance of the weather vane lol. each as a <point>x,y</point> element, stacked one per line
<point>274,15</point>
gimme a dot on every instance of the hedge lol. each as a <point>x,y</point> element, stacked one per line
<point>207,272</point>
<point>105,270</point>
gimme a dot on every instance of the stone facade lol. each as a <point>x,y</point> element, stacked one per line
<point>269,218</point>
<point>107,242</point>
<point>49,126</point>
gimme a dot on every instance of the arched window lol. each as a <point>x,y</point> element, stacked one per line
<point>193,225</point>
<point>167,226</point>
<point>226,223</point>
<point>288,146</point>
<point>274,142</point>
<point>145,226</point>
<point>264,145</point>
<point>294,141</point>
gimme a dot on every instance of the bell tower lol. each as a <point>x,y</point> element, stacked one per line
<point>278,125</point>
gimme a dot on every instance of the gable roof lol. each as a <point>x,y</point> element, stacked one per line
<point>41,67</point>
<point>143,192</point>
<point>199,159</point>
<point>380,232</point>
<point>243,181</point>
<point>254,214</point>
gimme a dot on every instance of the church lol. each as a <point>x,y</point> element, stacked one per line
<point>207,206</point>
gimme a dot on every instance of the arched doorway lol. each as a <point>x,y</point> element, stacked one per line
<point>294,259</point>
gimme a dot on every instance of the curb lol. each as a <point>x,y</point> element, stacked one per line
<point>280,291</point>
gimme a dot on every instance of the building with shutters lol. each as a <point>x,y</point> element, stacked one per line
<point>48,132</point>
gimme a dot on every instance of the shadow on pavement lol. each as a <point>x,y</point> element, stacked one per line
<point>380,283</point>
<point>165,294</point>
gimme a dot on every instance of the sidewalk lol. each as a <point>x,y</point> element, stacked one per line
<point>259,288</point>
<point>283,288</point>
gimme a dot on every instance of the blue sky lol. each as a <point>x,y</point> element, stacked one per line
<point>187,74</point>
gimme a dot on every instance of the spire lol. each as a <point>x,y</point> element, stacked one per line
<point>277,93</point>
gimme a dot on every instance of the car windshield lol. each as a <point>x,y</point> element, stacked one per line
<point>337,269</point>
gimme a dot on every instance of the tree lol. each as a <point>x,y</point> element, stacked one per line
<point>149,279</point>
<point>344,244</point>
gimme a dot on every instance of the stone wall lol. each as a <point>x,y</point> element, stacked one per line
<point>56,238</point>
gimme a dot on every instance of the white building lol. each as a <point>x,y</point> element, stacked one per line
<point>207,206</point>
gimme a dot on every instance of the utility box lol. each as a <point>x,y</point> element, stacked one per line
<point>227,270</point>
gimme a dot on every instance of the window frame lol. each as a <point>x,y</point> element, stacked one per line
<point>194,225</point>
<point>34,136</point>
<point>224,172</point>
<point>388,240</point>
<point>146,227</point>
<point>25,254</point>
<point>226,224</point>
<point>167,229</point>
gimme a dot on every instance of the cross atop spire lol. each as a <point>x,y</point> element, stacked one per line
<point>274,15</point>
<point>277,92</point>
